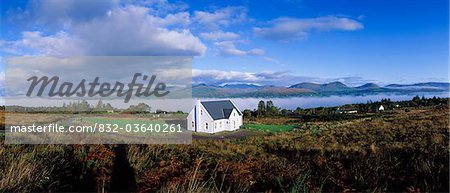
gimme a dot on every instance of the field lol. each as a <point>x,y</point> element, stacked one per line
<point>404,150</point>
<point>269,128</point>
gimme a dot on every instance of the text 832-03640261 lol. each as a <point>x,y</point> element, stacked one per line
<point>139,128</point>
<point>99,128</point>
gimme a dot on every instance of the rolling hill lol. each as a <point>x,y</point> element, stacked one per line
<point>312,89</point>
<point>332,86</point>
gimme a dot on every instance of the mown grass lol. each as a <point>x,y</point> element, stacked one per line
<point>269,128</point>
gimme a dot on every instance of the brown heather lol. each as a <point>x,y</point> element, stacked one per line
<point>394,151</point>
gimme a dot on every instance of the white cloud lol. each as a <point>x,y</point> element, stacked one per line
<point>228,48</point>
<point>256,51</point>
<point>283,29</point>
<point>170,70</point>
<point>160,7</point>
<point>51,13</point>
<point>124,30</point>
<point>181,18</point>
<point>219,35</point>
<point>132,31</point>
<point>269,59</point>
<point>57,44</point>
<point>218,75</point>
<point>221,17</point>
<point>277,78</point>
<point>361,17</point>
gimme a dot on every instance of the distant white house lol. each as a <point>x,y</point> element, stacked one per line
<point>351,111</point>
<point>381,108</point>
<point>346,110</point>
<point>214,116</point>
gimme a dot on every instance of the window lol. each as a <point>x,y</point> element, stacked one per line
<point>201,112</point>
<point>192,124</point>
<point>206,125</point>
<point>215,124</point>
<point>234,114</point>
<point>234,124</point>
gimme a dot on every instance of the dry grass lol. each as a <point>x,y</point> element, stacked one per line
<point>2,120</point>
<point>28,169</point>
<point>398,151</point>
<point>32,118</point>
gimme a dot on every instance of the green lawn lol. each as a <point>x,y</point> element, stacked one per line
<point>269,128</point>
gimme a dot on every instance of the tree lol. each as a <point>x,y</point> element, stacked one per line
<point>140,108</point>
<point>99,106</point>
<point>298,111</point>
<point>261,108</point>
<point>416,101</point>
<point>247,113</point>
<point>143,107</point>
<point>286,112</point>
<point>83,106</point>
<point>271,109</point>
<point>108,107</point>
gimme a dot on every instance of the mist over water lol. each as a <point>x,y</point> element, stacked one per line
<point>186,105</point>
<point>327,101</point>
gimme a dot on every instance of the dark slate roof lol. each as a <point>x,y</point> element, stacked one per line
<point>219,109</point>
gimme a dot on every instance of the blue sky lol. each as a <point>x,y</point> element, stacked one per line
<point>264,42</point>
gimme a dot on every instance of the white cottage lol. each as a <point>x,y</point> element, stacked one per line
<point>214,116</point>
<point>381,108</point>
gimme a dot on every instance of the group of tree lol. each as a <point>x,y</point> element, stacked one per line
<point>84,106</point>
<point>103,106</point>
<point>268,109</point>
<point>139,108</point>
<point>418,101</point>
<point>264,109</point>
<point>81,106</point>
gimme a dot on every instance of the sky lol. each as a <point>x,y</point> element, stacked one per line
<point>260,41</point>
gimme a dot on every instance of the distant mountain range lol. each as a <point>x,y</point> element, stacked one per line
<point>312,89</point>
<point>328,87</point>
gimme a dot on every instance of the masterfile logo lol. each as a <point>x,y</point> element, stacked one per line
<point>95,88</point>
<point>64,90</point>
